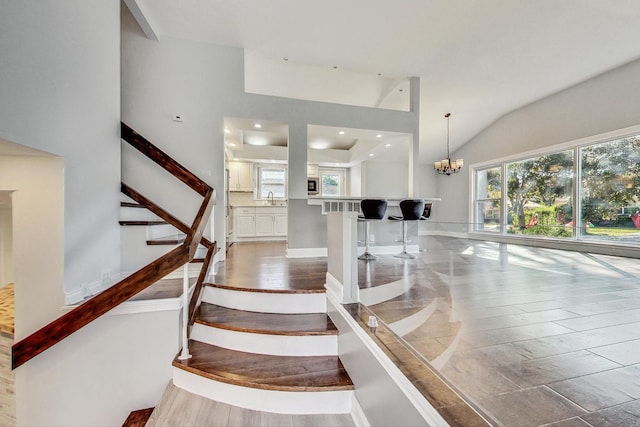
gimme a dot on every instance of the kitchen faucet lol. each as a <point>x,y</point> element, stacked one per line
<point>273,202</point>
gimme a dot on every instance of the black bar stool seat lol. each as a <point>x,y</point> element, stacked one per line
<point>412,210</point>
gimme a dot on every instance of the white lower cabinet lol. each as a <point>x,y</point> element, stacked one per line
<point>260,222</point>
<point>280,224</point>
<point>245,222</point>
<point>264,224</point>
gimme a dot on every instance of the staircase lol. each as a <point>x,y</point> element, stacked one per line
<point>266,350</point>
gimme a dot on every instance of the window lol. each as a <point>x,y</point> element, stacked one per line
<point>610,191</point>
<point>272,179</point>
<point>332,182</point>
<point>539,191</point>
<point>488,200</point>
<point>585,192</point>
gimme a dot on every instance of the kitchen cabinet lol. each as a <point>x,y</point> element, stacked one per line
<point>264,224</point>
<point>244,221</point>
<point>280,224</point>
<point>257,222</point>
<point>240,176</point>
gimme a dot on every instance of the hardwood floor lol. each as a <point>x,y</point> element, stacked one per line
<point>263,265</point>
<point>530,336</point>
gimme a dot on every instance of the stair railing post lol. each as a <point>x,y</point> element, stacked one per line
<point>185,313</point>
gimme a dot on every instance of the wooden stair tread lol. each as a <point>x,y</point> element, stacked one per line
<point>131,205</point>
<point>267,289</point>
<point>167,240</point>
<point>139,222</point>
<point>265,323</point>
<point>282,373</point>
<point>138,418</point>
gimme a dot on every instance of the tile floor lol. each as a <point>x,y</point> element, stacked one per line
<point>532,336</point>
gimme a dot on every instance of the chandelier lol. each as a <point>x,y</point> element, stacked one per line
<point>448,166</point>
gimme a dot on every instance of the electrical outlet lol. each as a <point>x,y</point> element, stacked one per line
<point>105,276</point>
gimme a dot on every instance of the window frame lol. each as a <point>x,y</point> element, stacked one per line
<point>576,146</point>
<point>342,184</point>
<point>259,167</point>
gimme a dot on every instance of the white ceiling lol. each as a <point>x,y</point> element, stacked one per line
<point>264,140</point>
<point>477,59</point>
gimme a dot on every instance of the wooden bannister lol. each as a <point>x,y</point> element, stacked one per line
<point>70,322</point>
<point>140,143</point>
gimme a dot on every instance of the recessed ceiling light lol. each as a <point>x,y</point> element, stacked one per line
<point>257,126</point>
<point>341,132</point>
<point>388,145</point>
<point>379,135</point>
<point>371,155</point>
<point>231,144</point>
<point>227,130</point>
<point>285,58</point>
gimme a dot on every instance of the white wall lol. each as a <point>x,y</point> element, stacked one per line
<point>205,83</point>
<point>38,212</point>
<point>6,245</point>
<point>60,73</point>
<point>98,375</point>
<point>605,103</point>
<point>385,179</point>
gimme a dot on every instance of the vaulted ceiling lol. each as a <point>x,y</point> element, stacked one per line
<point>478,60</point>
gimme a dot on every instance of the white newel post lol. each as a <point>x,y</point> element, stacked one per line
<point>185,314</point>
<point>342,256</point>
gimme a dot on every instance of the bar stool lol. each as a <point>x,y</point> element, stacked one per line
<point>412,210</point>
<point>372,210</point>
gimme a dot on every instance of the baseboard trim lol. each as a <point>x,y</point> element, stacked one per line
<point>306,252</point>
<point>458,234</point>
<point>357,413</point>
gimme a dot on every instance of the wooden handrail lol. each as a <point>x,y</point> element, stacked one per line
<point>199,223</point>
<point>90,310</point>
<point>141,144</point>
<point>157,210</point>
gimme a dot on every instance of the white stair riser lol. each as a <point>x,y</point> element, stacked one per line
<point>266,302</point>
<point>277,345</point>
<point>283,402</point>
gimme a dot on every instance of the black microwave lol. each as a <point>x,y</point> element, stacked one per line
<point>313,186</point>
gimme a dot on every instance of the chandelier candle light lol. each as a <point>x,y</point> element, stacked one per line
<point>448,166</point>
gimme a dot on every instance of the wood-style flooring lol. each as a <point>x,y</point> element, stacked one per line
<point>6,311</point>
<point>181,408</point>
<point>263,265</point>
<point>265,323</point>
<point>531,336</point>
<point>263,371</point>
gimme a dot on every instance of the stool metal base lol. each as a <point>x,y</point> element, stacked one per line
<point>368,256</point>
<point>405,255</point>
